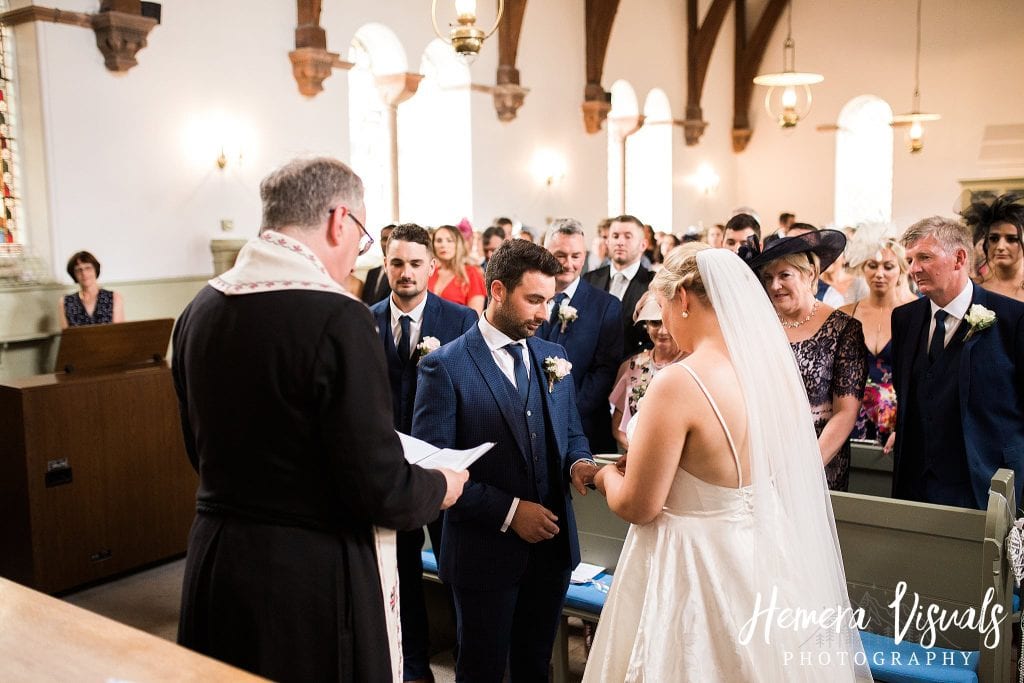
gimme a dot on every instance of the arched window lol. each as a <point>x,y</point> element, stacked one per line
<point>375,51</point>
<point>649,164</point>
<point>864,162</point>
<point>435,144</point>
<point>622,122</point>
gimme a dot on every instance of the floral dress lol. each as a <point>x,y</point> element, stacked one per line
<point>833,363</point>
<point>632,386</point>
<point>877,417</point>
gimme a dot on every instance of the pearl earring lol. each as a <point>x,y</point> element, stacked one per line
<point>685,314</point>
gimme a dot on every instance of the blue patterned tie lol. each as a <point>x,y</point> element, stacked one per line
<point>522,381</point>
<point>938,342</point>
<point>403,343</point>
<point>553,321</point>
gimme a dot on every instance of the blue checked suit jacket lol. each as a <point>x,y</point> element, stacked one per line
<point>463,400</point>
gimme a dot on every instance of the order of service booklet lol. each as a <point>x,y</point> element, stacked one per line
<point>421,453</point>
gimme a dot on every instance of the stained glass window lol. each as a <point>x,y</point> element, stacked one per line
<point>10,233</point>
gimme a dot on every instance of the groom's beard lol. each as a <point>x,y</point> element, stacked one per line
<point>514,328</point>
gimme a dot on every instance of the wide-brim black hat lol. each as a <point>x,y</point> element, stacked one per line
<point>827,245</point>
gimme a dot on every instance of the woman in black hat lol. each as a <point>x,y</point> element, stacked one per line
<point>828,344</point>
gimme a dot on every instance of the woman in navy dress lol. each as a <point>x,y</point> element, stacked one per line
<point>90,305</point>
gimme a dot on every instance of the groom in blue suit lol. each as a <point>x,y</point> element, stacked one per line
<point>510,544</point>
<point>407,321</point>
<point>587,322</point>
<point>958,373</point>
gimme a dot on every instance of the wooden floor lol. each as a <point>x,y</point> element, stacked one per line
<point>150,601</point>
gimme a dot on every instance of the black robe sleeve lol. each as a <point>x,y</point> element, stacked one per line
<point>363,453</point>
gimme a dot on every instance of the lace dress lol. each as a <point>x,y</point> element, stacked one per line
<point>833,363</point>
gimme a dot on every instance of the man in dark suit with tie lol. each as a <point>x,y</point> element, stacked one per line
<point>625,278</point>
<point>407,321</point>
<point>588,324</point>
<point>958,373</point>
<point>507,552</point>
<point>377,287</point>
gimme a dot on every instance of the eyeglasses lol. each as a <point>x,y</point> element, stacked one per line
<point>365,241</point>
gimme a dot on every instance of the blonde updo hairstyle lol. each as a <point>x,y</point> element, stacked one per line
<point>680,270</point>
<point>897,250</point>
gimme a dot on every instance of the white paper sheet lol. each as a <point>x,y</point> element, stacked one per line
<point>584,572</point>
<point>421,453</point>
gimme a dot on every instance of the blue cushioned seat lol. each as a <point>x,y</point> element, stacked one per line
<point>588,597</point>
<point>429,561</point>
<point>910,663</point>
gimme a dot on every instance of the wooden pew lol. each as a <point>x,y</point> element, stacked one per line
<point>949,556</point>
<point>870,470</point>
<point>43,639</point>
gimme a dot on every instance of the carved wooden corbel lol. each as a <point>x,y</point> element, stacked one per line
<point>121,28</point>
<point>600,15</point>
<point>508,93</point>
<point>700,44</point>
<point>749,54</point>
<point>311,62</point>
<point>121,31</point>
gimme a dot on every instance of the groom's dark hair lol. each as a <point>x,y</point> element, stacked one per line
<point>515,257</point>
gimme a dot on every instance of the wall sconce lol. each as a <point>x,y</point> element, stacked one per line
<point>705,179</point>
<point>465,37</point>
<point>218,137</point>
<point>548,167</point>
<point>787,109</point>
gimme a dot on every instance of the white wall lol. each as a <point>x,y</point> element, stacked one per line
<point>971,65</point>
<point>127,178</point>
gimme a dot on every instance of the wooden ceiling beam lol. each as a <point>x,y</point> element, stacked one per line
<point>701,39</point>
<point>600,15</point>
<point>508,93</point>
<point>749,54</point>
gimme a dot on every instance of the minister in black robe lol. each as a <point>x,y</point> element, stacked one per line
<point>286,412</point>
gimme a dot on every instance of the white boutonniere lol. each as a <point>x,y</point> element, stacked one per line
<point>556,369</point>
<point>979,318</point>
<point>426,345</point>
<point>567,314</point>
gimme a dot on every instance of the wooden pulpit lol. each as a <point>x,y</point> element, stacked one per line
<point>94,479</point>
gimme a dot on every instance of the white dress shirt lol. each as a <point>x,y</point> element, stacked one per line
<point>957,310</point>
<point>617,286</point>
<point>496,341</point>
<point>415,324</point>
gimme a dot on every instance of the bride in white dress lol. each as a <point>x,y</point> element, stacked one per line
<point>731,519</point>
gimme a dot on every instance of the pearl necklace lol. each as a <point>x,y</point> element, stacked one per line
<point>798,323</point>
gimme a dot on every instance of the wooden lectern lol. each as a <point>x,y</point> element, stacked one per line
<point>94,479</point>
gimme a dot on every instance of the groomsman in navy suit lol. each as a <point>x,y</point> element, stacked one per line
<point>625,277</point>
<point>408,320</point>
<point>958,369</point>
<point>587,322</point>
<point>510,544</point>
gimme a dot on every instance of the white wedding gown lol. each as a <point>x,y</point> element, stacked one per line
<point>684,588</point>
